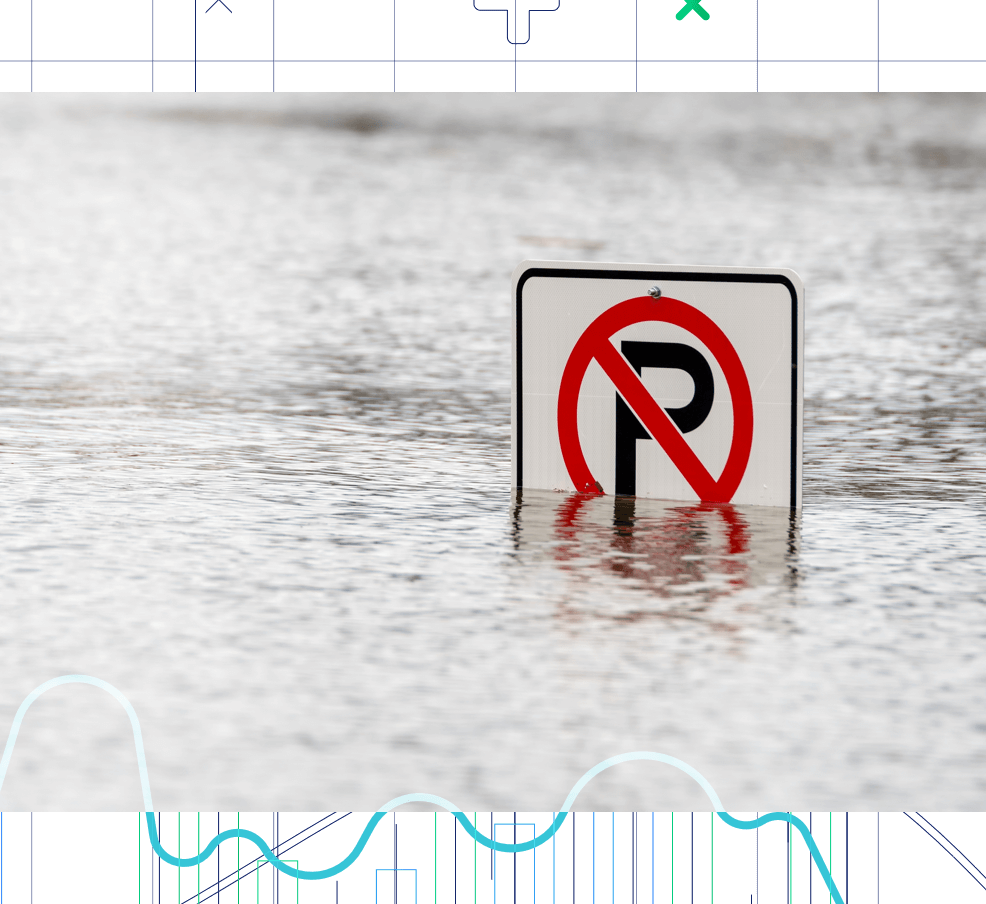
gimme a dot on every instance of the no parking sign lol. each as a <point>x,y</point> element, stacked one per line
<point>673,383</point>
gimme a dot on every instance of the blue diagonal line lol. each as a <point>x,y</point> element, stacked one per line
<point>952,843</point>
<point>945,849</point>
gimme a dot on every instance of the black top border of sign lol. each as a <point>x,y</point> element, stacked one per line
<point>564,272</point>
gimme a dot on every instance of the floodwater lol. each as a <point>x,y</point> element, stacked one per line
<point>255,457</point>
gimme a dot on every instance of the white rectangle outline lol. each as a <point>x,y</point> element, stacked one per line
<point>605,270</point>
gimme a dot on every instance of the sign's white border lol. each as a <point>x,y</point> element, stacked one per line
<point>604,270</point>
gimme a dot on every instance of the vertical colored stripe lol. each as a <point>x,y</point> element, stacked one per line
<point>652,857</point>
<point>790,878</point>
<point>830,853</point>
<point>612,859</point>
<point>553,859</point>
<point>633,857</point>
<point>810,832</point>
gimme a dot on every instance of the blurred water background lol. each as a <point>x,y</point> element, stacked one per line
<point>255,456</point>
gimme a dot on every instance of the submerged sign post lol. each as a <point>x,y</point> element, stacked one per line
<point>680,383</point>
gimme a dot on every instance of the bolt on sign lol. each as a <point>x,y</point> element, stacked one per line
<point>680,383</point>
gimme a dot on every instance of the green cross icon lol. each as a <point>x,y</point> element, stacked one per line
<point>689,6</point>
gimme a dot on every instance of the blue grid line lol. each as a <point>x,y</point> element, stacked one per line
<point>919,819</point>
<point>533,858</point>
<point>628,60</point>
<point>278,849</point>
<point>403,869</point>
<point>879,60</point>
<point>788,883</point>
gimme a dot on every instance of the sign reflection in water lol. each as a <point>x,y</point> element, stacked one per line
<point>669,560</point>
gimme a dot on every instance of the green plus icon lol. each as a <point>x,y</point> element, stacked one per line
<point>688,7</point>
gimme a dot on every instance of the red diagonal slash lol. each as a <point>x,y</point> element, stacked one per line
<point>595,343</point>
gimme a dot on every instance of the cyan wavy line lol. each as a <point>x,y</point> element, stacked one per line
<point>374,820</point>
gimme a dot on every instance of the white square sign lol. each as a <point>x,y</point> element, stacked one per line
<point>681,383</point>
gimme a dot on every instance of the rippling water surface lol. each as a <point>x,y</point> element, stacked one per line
<point>255,457</point>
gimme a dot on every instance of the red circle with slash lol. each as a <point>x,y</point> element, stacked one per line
<point>595,344</point>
